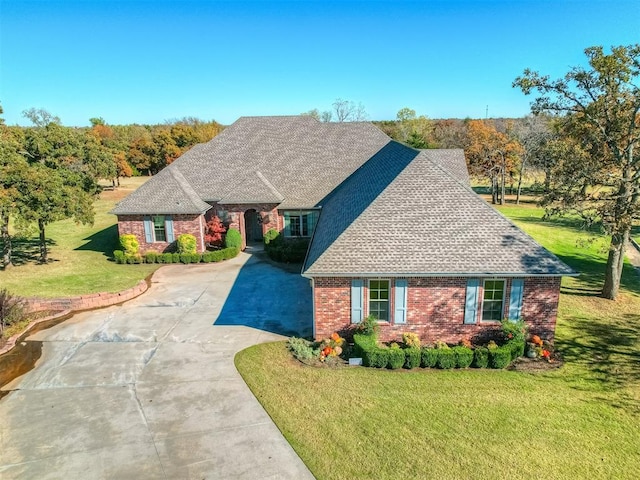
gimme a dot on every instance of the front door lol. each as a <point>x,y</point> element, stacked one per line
<point>253,228</point>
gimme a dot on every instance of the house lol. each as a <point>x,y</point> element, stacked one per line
<point>395,232</point>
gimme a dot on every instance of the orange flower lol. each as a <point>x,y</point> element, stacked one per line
<point>335,337</point>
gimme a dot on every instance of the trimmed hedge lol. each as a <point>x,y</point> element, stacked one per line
<point>464,356</point>
<point>446,358</point>
<point>481,357</point>
<point>154,257</point>
<point>412,357</point>
<point>372,354</point>
<point>233,239</point>
<point>500,357</point>
<point>396,357</point>
<point>380,356</point>
<point>517,348</point>
<point>429,357</point>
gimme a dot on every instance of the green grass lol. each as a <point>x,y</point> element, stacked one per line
<point>579,421</point>
<point>79,256</point>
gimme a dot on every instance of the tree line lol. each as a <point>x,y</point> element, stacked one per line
<point>49,172</point>
<point>583,135</point>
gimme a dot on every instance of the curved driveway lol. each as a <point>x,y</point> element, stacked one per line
<point>149,389</point>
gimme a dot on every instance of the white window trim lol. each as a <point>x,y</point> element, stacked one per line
<point>481,299</point>
<point>368,298</point>
<point>153,228</point>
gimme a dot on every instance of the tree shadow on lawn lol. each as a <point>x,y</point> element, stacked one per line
<point>104,241</point>
<point>27,250</point>
<point>609,352</point>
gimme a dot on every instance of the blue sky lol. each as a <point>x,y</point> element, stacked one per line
<point>151,61</point>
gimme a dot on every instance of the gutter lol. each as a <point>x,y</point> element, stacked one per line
<point>444,274</point>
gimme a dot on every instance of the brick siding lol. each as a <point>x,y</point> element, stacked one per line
<point>134,224</point>
<point>435,309</point>
<point>85,302</point>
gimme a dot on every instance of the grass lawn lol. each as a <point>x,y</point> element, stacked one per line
<point>78,256</point>
<point>579,421</point>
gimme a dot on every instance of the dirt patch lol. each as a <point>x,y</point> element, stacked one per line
<point>534,365</point>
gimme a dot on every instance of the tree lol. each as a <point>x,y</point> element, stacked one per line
<point>47,195</point>
<point>348,111</point>
<point>412,129</point>
<point>599,110</point>
<point>213,234</point>
<point>12,166</point>
<point>493,154</point>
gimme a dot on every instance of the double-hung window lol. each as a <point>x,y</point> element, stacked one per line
<point>379,299</point>
<point>159,229</point>
<point>493,300</point>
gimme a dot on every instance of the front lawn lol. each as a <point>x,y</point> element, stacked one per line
<point>580,421</point>
<point>79,256</point>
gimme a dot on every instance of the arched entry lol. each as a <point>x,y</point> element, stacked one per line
<point>253,228</point>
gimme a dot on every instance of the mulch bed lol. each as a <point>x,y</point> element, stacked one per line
<point>533,365</point>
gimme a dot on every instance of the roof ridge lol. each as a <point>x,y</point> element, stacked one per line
<point>269,185</point>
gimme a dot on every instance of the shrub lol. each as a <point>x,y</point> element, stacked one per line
<point>373,355</point>
<point>207,257</point>
<point>396,357</point>
<point>270,235</point>
<point>118,256</point>
<point>186,244</point>
<point>129,244</point>
<point>446,358</point>
<point>196,257</point>
<point>517,348</point>
<point>133,259</point>
<point>11,309</point>
<point>190,258</point>
<point>167,258</point>
<point>369,326</point>
<point>481,357</point>
<point>412,357</point>
<point>287,250</point>
<point>233,239</point>
<point>175,257</point>
<point>411,340</point>
<point>464,356</point>
<point>151,257</point>
<point>214,231</point>
<point>514,330</point>
<point>429,357</point>
<point>231,252</point>
<point>302,349</point>
<point>361,343</point>
<point>500,357</point>
<point>377,357</point>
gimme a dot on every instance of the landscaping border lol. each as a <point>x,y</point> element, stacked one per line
<point>70,305</point>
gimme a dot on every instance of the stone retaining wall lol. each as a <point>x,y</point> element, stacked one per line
<point>67,306</point>
<point>85,302</point>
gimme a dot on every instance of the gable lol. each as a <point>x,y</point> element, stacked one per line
<point>421,220</point>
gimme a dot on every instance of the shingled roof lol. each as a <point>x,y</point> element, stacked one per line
<point>404,213</point>
<point>167,192</point>
<point>292,161</point>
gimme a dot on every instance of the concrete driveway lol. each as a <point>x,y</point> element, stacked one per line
<point>149,389</point>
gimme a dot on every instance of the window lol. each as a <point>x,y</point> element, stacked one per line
<point>379,299</point>
<point>299,224</point>
<point>493,300</point>
<point>158,228</point>
<point>159,231</point>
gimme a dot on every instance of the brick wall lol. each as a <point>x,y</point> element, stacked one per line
<point>134,224</point>
<point>85,302</point>
<point>435,309</point>
<point>235,216</point>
